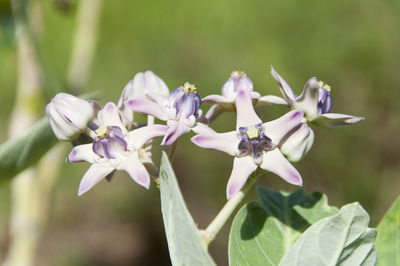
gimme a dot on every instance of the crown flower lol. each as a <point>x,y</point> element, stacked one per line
<point>254,144</point>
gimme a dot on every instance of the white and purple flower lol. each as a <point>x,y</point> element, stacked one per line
<point>226,102</point>
<point>142,85</point>
<point>180,109</point>
<point>65,120</point>
<point>253,144</point>
<point>315,101</point>
<point>114,148</point>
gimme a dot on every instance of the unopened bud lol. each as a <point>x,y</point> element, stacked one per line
<point>68,116</point>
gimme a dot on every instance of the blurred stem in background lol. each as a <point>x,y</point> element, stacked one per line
<point>24,223</point>
<point>84,45</point>
<point>31,190</point>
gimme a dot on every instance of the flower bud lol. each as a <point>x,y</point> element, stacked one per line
<point>143,85</point>
<point>238,80</point>
<point>68,116</point>
<point>297,145</point>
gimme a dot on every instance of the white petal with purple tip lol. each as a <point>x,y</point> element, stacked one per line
<point>147,107</point>
<point>285,88</point>
<point>272,99</point>
<point>82,153</point>
<point>138,137</point>
<point>246,116</point>
<point>242,168</point>
<point>226,142</point>
<point>93,175</point>
<point>277,129</point>
<point>218,99</point>
<point>337,120</point>
<point>275,162</point>
<point>136,170</point>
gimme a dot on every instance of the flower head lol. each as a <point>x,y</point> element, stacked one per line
<point>254,144</point>
<point>114,148</point>
<point>226,102</point>
<point>315,101</point>
<point>69,116</point>
<point>180,109</point>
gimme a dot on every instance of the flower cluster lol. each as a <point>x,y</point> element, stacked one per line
<point>118,143</point>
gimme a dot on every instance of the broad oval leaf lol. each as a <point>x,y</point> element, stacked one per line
<point>19,153</point>
<point>342,239</point>
<point>184,243</point>
<point>388,239</point>
<point>264,230</point>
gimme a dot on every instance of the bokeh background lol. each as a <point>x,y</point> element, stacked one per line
<point>352,45</point>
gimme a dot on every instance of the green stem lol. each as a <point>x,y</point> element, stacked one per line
<point>171,153</point>
<point>209,234</point>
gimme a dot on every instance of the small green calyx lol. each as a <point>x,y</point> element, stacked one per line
<point>102,132</point>
<point>253,132</point>
<point>189,88</point>
<point>324,86</point>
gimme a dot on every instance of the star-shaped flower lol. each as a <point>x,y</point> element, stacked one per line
<point>253,144</point>
<point>315,101</point>
<point>180,109</point>
<point>114,148</point>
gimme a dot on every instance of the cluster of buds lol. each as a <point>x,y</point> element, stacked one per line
<point>118,143</point>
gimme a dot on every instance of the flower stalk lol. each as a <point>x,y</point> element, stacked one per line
<point>209,234</point>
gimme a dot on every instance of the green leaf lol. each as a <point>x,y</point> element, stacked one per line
<point>19,153</point>
<point>264,230</point>
<point>342,239</point>
<point>388,240</point>
<point>184,243</point>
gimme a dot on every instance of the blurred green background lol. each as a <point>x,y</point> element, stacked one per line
<point>352,45</point>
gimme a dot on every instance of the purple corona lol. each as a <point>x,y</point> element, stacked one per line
<point>181,110</point>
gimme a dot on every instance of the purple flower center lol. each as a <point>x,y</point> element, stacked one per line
<point>185,100</point>
<point>325,100</point>
<point>109,142</point>
<point>254,141</point>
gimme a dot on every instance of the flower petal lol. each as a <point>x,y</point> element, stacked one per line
<point>147,107</point>
<point>275,162</point>
<point>136,170</point>
<point>109,116</point>
<point>337,120</point>
<point>175,130</point>
<point>285,88</point>
<point>297,145</point>
<point>93,175</point>
<point>308,100</point>
<point>82,153</point>
<point>272,99</point>
<point>243,167</point>
<point>138,137</point>
<point>214,98</point>
<point>200,128</point>
<point>246,116</point>
<point>226,142</point>
<point>277,129</point>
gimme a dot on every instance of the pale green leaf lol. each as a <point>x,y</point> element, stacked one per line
<point>388,239</point>
<point>18,153</point>
<point>184,243</point>
<point>343,239</point>
<point>264,230</point>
